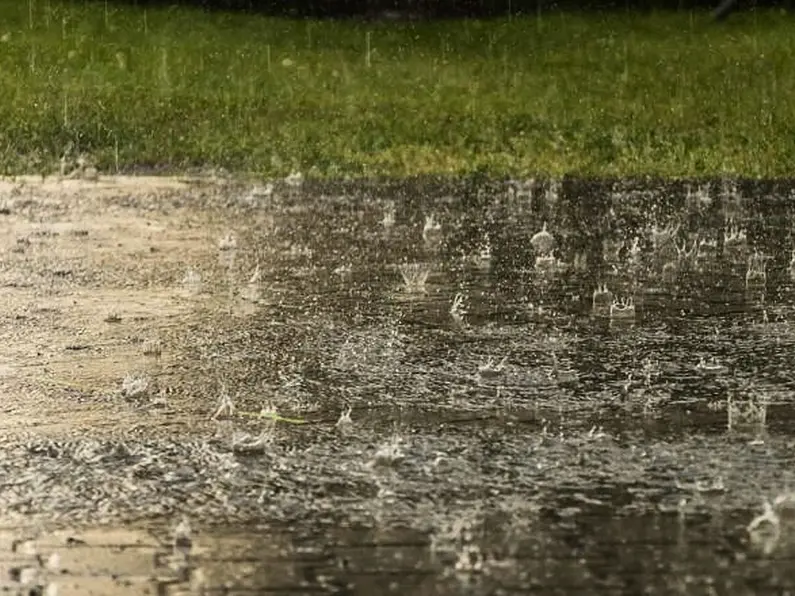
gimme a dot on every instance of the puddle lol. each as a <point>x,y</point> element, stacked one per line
<point>417,387</point>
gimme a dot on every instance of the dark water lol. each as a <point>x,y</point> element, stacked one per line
<point>528,441</point>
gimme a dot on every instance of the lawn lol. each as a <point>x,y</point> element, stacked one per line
<point>666,94</point>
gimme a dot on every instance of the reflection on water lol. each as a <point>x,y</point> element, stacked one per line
<point>485,387</point>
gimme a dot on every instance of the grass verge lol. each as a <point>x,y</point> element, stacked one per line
<point>619,94</point>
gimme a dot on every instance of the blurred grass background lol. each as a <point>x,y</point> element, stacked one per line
<point>658,93</point>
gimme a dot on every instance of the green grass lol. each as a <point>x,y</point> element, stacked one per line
<point>665,94</point>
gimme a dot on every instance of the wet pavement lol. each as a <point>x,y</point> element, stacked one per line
<point>421,387</point>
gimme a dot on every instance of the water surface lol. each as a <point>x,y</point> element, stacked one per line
<point>427,401</point>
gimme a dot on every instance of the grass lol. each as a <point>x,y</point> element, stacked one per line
<point>617,94</point>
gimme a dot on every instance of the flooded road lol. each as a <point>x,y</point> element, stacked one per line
<point>416,388</point>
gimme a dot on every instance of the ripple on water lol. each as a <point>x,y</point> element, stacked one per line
<point>520,441</point>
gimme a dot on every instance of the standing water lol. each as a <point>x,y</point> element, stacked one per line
<point>419,388</point>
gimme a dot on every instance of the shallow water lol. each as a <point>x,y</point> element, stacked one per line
<point>522,442</point>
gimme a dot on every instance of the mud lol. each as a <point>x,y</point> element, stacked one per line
<point>215,387</point>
